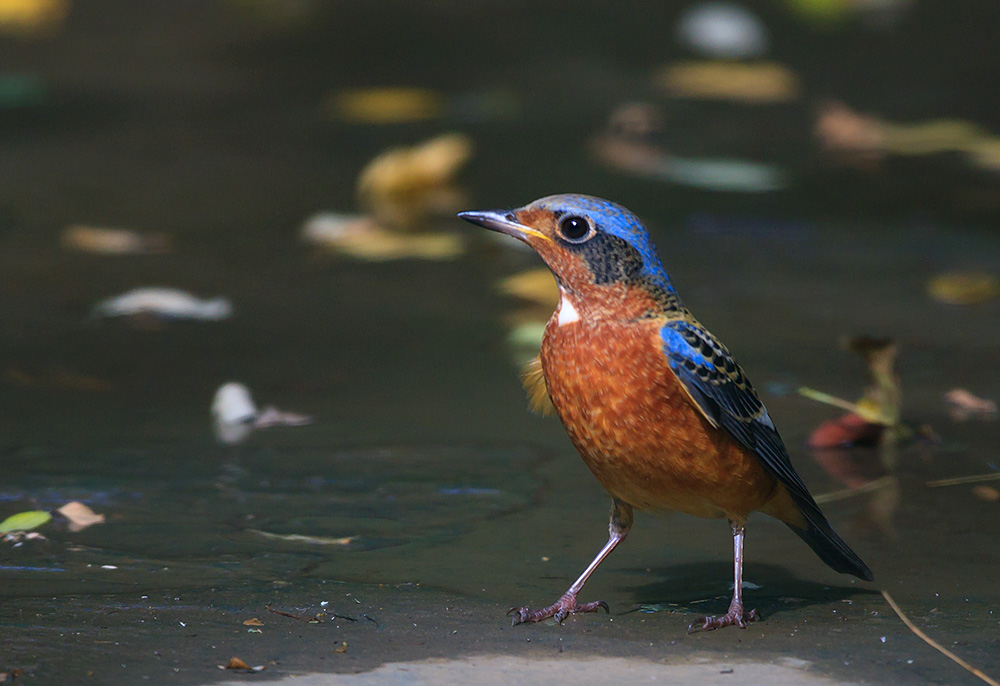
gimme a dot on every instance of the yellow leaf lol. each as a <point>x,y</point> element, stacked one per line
<point>24,521</point>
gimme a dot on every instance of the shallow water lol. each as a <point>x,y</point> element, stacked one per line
<point>455,501</point>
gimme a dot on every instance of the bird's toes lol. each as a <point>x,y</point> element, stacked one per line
<point>519,614</point>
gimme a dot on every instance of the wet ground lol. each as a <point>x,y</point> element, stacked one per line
<point>206,121</point>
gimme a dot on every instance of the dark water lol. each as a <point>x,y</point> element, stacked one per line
<point>200,120</point>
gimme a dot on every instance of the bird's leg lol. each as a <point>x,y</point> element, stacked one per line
<point>736,615</point>
<point>621,522</point>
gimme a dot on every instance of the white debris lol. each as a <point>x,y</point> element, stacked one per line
<point>170,303</point>
<point>723,30</point>
<point>330,228</point>
<point>233,412</point>
<point>235,415</point>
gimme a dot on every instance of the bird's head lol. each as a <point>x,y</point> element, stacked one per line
<point>595,248</point>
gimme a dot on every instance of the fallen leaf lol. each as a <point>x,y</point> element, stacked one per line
<point>253,621</point>
<point>848,430</point>
<point>80,516</point>
<point>374,243</point>
<point>342,648</point>
<point>24,521</point>
<point>386,105</point>
<point>963,288</point>
<point>763,82</point>
<point>402,187</point>
<point>965,405</point>
<point>987,493</point>
<point>110,241</point>
<point>32,16</point>
<point>237,663</point>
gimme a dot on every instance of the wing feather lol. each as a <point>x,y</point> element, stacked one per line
<point>722,393</point>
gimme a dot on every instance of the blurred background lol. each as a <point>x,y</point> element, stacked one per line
<point>240,325</point>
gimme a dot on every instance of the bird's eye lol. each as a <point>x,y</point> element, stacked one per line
<point>574,229</point>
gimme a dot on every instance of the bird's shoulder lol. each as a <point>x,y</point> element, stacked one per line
<point>720,390</point>
<point>707,369</point>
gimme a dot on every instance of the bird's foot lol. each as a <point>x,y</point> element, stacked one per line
<point>736,616</point>
<point>560,610</point>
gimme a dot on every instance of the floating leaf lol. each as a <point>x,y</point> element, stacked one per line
<point>725,80</point>
<point>965,405</point>
<point>24,521</point>
<point>963,288</point>
<point>112,241</point>
<point>80,516</point>
<point>386,105</point>
<point>403,186</point>
<point>987,493</point>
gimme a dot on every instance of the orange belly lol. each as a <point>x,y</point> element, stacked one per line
<point>636,428</point>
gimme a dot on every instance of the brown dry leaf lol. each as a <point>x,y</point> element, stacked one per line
<point>342,648</point>
<point>841,129</point>
<point>237,663</point>
<point>109,241</point>
<point>11,675</point>
<point>57,378</point>
<point>80,516</point>
<point>253,621</point>
<point>987,493</point>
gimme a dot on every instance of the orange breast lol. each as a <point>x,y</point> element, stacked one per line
<point>637,430</point>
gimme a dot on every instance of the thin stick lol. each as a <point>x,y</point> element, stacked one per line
<point>992,476</point>
<point>826,398</point>
<point>934,644</point>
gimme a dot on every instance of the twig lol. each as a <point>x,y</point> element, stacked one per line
<point>934,644</point>
<point>301,618</point>
<point>992,476</point>
<point>312,620</point>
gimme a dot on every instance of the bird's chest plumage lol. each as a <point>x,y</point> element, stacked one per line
<point>635,427</point>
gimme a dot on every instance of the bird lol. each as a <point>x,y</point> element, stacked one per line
<point>657,407</point>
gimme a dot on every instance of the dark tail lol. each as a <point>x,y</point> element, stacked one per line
<point>830,547</point>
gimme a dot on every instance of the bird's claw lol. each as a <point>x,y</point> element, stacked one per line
<point>559,610</point>
<point>735,617</point>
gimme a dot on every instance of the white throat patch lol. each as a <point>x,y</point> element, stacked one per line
<point>567,313</point>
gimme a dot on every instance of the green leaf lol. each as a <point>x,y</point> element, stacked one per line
<point>24,521</point>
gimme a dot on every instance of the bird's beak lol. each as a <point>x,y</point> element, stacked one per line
<point>504,222</point>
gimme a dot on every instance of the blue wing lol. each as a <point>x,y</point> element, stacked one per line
<point>725,397</point>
